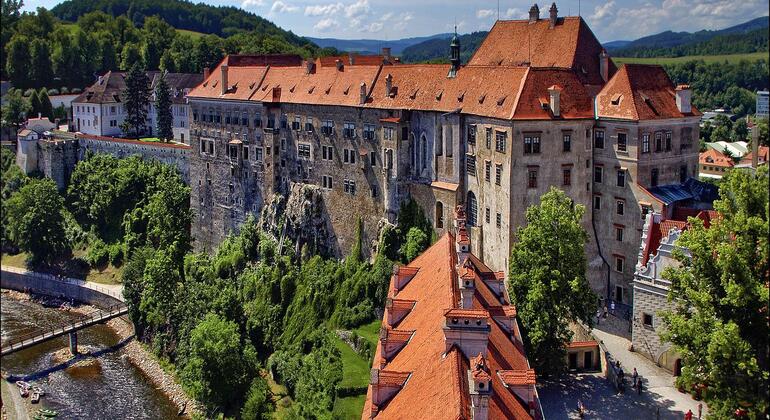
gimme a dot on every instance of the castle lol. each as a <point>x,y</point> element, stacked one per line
<point>539,104</point>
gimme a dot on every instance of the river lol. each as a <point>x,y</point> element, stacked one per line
<point>117,390</point>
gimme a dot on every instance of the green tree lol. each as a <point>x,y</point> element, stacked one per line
<point>216,370</point>
<point>259,405</point>
<point>416,242</point>
<point>158,36</point>
<point>36,107</point>
<point>740,130</point>
<point>36,221</point>
<point>16,110</point>
<point>720,292</point>
<point>160,279</point>
<point>130,56</point>
<point>41,66</point>
<point>163,109</point>
<point>107,54</point>
<point>18,64</point>
<point>136,96</point>
<point>548,279</point>
<point>46,108</point>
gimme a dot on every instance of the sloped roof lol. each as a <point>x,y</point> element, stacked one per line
<point>639,92</point>
<point>438,385</point>
<point>109,87</point>
<point>570,44</point>
<point>715,158</point>
<point>661,229</point>
<point>574,102</point>
<point>179,83</point>
<point>764,151</point>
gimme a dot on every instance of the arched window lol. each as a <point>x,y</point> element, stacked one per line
<point>439,215</point>
<point>473,209</point>
<point>423,152</point>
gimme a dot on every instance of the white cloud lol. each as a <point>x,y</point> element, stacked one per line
<point>251,4</point>
<point>324,9</point>
<point>603,10</point>
<point>325,25</point>
<point>373,27</point>
<point>484,13</point>
<point>281,7</point>
<point>357,9</point>
<point>515,13</point>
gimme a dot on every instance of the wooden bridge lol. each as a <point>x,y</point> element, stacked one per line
<point>97,317</point>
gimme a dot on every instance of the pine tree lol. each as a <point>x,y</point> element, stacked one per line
<point>46,108</point>
<point>135,97</point>
<point>34,104</point>
<point>163,108</point>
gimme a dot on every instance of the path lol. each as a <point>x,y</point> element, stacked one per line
<point>112,290</point>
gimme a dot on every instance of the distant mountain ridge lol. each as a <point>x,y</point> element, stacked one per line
<point>373,46</point>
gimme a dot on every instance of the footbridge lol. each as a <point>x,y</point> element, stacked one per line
<point>96,317</point>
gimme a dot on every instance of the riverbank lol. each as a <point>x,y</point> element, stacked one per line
<point>133,351</point>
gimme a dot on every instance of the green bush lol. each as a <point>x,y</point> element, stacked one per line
<point>116,253</point>
<point>64,90</point>
<point>28,93</point>
<point>98,254</point>
<point>76,90</point>
<point>53,92</point>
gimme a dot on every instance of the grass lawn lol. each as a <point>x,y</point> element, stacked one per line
<point>150,139</point>
<point>104,275</point>
<point>370,332</point>
<point>355,369</point>
<point>348,407</point>
<point>193,34</point>
<point>281,397</point>
<point>732,58</point>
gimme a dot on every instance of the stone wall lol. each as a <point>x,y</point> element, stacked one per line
<point>57,159</point>
<point>27,281</point>
<point>172,154</point>
<point>646,340</point>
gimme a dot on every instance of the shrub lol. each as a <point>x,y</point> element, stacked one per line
<point>64,90</point>
<point>76,90</point>
<point>53,92</point>
<point>98,253</point>
<point>29,92</point>
<point>116,253</point>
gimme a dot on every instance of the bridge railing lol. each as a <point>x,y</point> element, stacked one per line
<point>61,279</point>
<point>91,317</point>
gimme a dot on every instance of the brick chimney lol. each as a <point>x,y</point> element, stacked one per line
<point>479,385</point>
<point>534,13</point>
<point>388,84</point>
<point>309,67</point>
<point>386,53</point>
<point>362,98</point>
<point>555,96</point>
<point>351,58</point>
<point>339,64</point>
<point>225,86</point>
<point>683,99</point>
<point>466,280</point>
<point>206,73</point>
<point>604,64</point>
<point>553,15</point>
<point>754,146</point>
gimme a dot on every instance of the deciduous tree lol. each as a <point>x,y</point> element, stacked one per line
<point>548,279</point>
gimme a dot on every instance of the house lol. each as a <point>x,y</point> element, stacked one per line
<point>714,164</point>
<point>735,149</point>
<point>450,345</point>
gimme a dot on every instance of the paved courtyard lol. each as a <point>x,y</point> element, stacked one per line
<point>659,399</point>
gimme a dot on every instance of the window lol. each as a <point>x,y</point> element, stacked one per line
<point>303,151</point>
<point>470,164</point>
<point>531,144</point>
<point>284,121</point>
<point>297,123</point>
<point>227,118</point>
<point>620,263</point>
<point>567,177</point>
<point>233,152</point>
<point>257,120</point>
<point>621,181</point>
<point>598,174</point>
<point>349,156</point>
<point>369,131</point>
<point>270,122</point>
<point>349,130</point>
<point>245,152</point>
<point>682,174</point>
<point>501,138</point>
<point>668,141</point>
<point>620,207</point>
<point>473,209</point>
<point>389,159</point>
<point>685,138</point>
<point>498,173</point>
<point>327,152</point>
<point>654,177</point>
<point>350,186</point>
<point>258,154</point>
<point>309,125</point>
<point>532,178</point>
<point>244,117</point>
<point>283,144</point>
<point>622,140</point>
<point>599,139</point>
<point>645,143</point>
<point>619,233</point>
<point>373,189</point>
<point>372,159</point>
<point>647,320</point>
<point>327,127</point>
<point>489,138</point>
<point>439,215</point>
<point>387,133</point>
<point>487,171</point>
<point>326,182</point>
<point>498,220</point>
<point>566,143</point>
<point>471,134</point>
<point>658,142</point>
<point>449,141</point>
<point>645,210</point>
<point>597,202</point>
<point>487,216</point>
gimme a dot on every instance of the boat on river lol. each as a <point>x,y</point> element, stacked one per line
<point>24,392</point>
<point>22,384</point>
<point>34,398</point>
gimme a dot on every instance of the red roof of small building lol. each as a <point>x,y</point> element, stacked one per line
<point>659,230</point>
<point>715,158</point>
<point>764,151</point>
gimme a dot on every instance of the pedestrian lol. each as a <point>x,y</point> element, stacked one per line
<point>612,307</point>
<point>634,377</point>
<point>598,316</point>
<point>688,415</point>
<point>605,311</point>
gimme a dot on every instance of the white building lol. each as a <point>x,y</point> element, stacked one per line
<point>763,104</point>
<point>99,109</point>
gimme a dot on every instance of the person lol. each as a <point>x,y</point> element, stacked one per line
<point>688,415</point>
<point>581,408</point>
<point>605,311</point>
<point>612,307</point>
<point>634,377</point>
<point>598,316</point>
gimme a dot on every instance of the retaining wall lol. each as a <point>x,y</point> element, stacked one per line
<point>28,281</point>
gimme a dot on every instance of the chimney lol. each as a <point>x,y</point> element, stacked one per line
<point>339,64</point>
<point>604,65</point>
<point>467,285</point>
<point>224,78</point>
<point>350,58</point>
<point>754,146</point>
<point>534,13</point>
<point>479,381</point>
<point>362,99</point>
<point>554,13</point>
<point>388,84</point>
<point>309,67</point>
<point>39,115</point>
<point>683,99</point>
<point>386,53</point>
<point>277,94</point>
<point>555,94</point>
<point>468,329</point>
<point>206,73</point>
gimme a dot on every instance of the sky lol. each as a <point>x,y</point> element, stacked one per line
<point>394,19</point>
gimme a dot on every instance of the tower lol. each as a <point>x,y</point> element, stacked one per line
<point>454,58</point>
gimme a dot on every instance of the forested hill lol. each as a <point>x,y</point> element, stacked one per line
<point>200,17</point>
<point>437,49</point>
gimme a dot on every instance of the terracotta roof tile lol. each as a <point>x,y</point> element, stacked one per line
<point>517,377</point>
<point>581,344</point>
<point>716,158</point>
<point>574,100</point>
<point>763,154</point>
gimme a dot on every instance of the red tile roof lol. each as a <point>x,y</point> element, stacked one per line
<point>581,344</point>
<point>715,158</point>
<point>438,385</point>
<point>570,44</point>
<point>639,92</point>
<point>764,151</point>
<point>659,230</point>
<point>574,100</point>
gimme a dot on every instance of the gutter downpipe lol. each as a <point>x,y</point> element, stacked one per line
<point>593,220</point>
